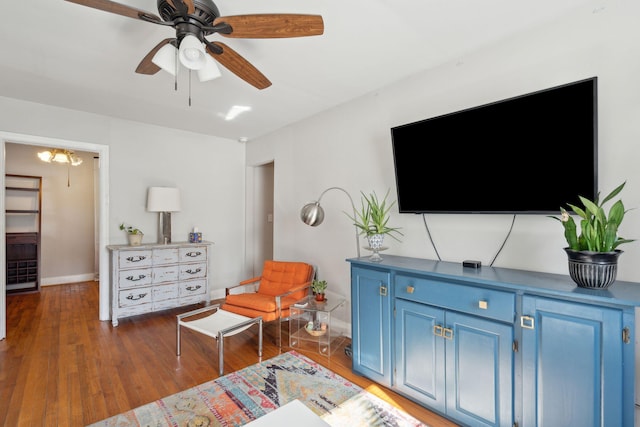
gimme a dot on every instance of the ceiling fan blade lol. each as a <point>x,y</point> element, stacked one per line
<point>148,67</point>
<point>235,63</point>
<point>271,26</point>
<point>120,9</point>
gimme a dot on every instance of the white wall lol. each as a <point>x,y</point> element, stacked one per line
<point>208,171</point>
<point>350,146</point>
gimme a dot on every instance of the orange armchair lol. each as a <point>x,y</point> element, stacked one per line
<point>281,284</point>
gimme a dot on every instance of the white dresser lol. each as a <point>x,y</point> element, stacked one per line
<point>155,277</point>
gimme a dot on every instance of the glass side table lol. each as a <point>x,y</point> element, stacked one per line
<point>310,326</point>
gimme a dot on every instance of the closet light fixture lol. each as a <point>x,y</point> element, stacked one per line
<point>60,156</point>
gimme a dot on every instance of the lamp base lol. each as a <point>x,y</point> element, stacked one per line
<point>164,231</point>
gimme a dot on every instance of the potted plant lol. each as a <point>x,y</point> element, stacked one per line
<point>134,235</point>
<point>593,255</point>
<point>319,287</point>
<point>372,221</point>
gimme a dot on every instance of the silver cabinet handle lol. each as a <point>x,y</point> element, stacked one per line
<point>383,290</point>
<point>527,322</point>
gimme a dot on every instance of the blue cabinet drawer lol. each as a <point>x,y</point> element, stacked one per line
<point>483,302</point>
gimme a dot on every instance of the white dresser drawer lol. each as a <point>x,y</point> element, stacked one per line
<point>166,274</point>
<point>165,292</point>
<point>193,253</point>
<point>135,296</point>
<point>193,271</point>
<point>192,287</point>
<point>134,259</point>
<point>133,278</point>
<point>165,256</point>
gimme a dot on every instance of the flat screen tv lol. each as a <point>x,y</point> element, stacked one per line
<point>530,154</point>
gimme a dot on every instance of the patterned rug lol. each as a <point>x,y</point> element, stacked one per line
<point>242,396</point>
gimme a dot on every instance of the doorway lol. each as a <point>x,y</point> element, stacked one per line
<point>101,208</point>
<point>260,218</point>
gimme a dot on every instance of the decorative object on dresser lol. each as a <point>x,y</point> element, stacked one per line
<point>496,346</point>
<point>163,200</point>
<point>155,277</point>
<point>593,256</point>
<point>23,211</point>
<point>373,222</point>
<point>312,213</point>
<point>134,235</point>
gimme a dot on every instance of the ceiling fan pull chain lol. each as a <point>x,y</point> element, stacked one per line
<point>189,88</point>
<point>175,75</point>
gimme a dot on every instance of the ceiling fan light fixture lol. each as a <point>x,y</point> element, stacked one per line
<point>210,70</point>
<point>192,54</point>
<point>165,58</point>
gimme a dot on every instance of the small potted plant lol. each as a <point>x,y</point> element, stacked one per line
<point>133,234</point>
<point>593,255</point>
<point>319,287</point>
<point>372,221</point>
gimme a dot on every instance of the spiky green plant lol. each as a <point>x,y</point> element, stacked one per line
<point>373,217</point>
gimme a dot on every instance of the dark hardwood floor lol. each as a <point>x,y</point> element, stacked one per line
<point>61,366</point>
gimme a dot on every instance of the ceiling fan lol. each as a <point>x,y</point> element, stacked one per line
<point>193,20</point>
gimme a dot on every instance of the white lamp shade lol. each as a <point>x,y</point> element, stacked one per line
<point>165,58</point>
<point>210,70</point>
<point>163,199</point>
<point>192,54</point>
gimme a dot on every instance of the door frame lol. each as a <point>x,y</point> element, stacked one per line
<point>102,205</point>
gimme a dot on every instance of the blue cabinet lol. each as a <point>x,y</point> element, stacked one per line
<point>573,364</point>
<point>371,323</point>
<point>495,346</point>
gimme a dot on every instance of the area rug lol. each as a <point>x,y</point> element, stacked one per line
<point>242,396</point>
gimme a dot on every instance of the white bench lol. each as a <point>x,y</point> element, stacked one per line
<point>218,325</point>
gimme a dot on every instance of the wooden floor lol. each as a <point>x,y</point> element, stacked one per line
<point>61,366</point>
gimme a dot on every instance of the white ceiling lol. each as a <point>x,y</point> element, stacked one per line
<point>64,54</point>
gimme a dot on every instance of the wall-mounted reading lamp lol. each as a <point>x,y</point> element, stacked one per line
<point>312,213</point>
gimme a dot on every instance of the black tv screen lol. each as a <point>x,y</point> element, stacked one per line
<point>530,154</point>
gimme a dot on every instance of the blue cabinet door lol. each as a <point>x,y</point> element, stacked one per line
<point>457,364</point>
<point>572,361</point>
<point>480,366</point>
<point>420,365</point>
<point>371,324</point>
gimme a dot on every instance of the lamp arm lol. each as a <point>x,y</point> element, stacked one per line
<point>353,206</point>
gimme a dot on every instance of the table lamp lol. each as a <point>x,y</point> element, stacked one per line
<point>163,200</point>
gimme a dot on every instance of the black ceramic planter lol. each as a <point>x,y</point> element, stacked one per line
<point>596,270</point>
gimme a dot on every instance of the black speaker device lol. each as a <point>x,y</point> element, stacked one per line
<point>470,263</point>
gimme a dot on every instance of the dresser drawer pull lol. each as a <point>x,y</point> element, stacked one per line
<point>135,298</point>
<point>437,330</point>
<point>136,258</point>
<point>410,289</point>
<point>193,288</point>
<point>193,254</point>
<point>483,305</point>
<point>196,271</point>
<point>133,279</point>
<point>527,322</point>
